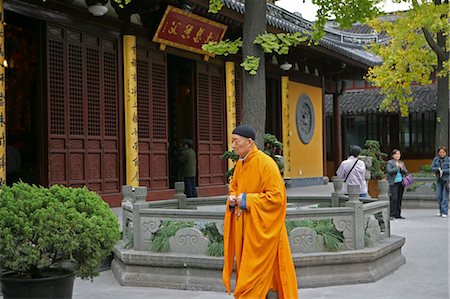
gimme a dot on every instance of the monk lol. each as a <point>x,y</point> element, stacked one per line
<point>254,226</point>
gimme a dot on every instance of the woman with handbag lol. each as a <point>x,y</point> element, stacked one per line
<point>441,168</point>
<point>396,170</point>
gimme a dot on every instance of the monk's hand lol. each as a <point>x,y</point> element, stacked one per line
<point>231,200</point>
<point>239,200</point>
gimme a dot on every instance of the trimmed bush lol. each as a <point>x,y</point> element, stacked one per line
<point>57,227</point>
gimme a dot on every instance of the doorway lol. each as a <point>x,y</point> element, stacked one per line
<point>181,86</point>
<point>24,112</point>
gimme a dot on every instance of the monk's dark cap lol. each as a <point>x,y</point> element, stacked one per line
<point>245,131</point>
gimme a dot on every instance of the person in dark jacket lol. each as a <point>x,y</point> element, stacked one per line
<point>187,162</point>
<point>396,169</point>
<point>441,168</point>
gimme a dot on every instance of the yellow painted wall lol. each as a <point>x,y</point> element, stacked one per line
<point>306,159</point>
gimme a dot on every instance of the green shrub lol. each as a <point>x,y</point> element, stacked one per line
<point>378,168</point>
<point>426,168</point>
<point>43,228</point>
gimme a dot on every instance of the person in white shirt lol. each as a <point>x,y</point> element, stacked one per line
<point>353,171</point>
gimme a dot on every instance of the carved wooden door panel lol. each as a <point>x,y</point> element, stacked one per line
<point>152,119</point>
<point>83,111</point>
<point>210,124</point>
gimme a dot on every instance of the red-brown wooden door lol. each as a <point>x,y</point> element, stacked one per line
<point>84,144</point>
<point>210,124</point>
<point>152,121</point>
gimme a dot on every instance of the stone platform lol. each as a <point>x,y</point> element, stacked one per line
<point>198,272</point>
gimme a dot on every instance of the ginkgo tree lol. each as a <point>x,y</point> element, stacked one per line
<point>417,48</point>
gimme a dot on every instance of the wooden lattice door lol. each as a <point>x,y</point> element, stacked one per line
<point>210,124</point>
<point>152,119</point>
<point>83,111</point>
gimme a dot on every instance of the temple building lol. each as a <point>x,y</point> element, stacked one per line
<point>91,96</point>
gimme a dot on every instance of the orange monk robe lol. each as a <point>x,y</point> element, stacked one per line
<point>258,237</point>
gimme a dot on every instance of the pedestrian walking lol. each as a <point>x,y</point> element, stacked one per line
<point>396,170</point>
<point>353,171</point>
<point>441,168</point>
<point>255,234</point>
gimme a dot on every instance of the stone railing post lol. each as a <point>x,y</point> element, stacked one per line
<point>132,198</point>
<point>135,196</point>
<point>358,216</point>
<point>180,196</point>
<point>383,186</point>
<point>337,184</point>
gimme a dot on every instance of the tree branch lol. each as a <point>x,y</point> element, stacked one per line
<point>433,45</point>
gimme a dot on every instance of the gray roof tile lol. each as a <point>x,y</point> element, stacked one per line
<point>368,100</point>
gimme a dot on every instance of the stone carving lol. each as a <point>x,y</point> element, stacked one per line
<point>344,225</point>
<point>149,226</point>
<point>304,239</point>
<point>189,240</point>
<point>372,228</point>
<point>305,118</point>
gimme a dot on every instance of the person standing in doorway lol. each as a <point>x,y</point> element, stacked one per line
<point>353,171</point>
<point>396,169</point>
<point>255,235</point>
<point>187,162</point>
<point>441,168</point>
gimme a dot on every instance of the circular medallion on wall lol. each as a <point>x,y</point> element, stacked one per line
<point>304,118</point>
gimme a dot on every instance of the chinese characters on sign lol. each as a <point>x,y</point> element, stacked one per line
<point>187,31</point>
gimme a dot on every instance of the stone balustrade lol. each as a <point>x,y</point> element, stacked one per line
<point>367,252</point>
<point>356,221</point>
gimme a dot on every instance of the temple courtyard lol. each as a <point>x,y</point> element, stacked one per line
<point>424,276</point>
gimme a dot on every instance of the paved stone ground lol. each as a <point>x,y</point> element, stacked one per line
<point>424,276</point>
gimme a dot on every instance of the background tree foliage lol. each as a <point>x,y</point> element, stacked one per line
<point>418,46</point>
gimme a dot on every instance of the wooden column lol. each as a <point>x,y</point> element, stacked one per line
<point>286,125</point>
<point>130,98</point>
<point>231,103</point>
<point>2,99</point>
<point>337,132</point>
<point>324,129</point>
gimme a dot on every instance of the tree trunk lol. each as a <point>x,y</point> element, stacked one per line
<point>442,110</point>
<point>254,95</point>
<point>443,99</point>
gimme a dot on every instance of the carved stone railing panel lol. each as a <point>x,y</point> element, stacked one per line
<point>372,228</point>
<point>149,226</point>
<point>189,240</point>
<point>305,240</point>
<point>345,225</point>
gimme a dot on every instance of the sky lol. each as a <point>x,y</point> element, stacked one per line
<point>308,10</point>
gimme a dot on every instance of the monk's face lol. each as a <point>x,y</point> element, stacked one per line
<point>241,145</point>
